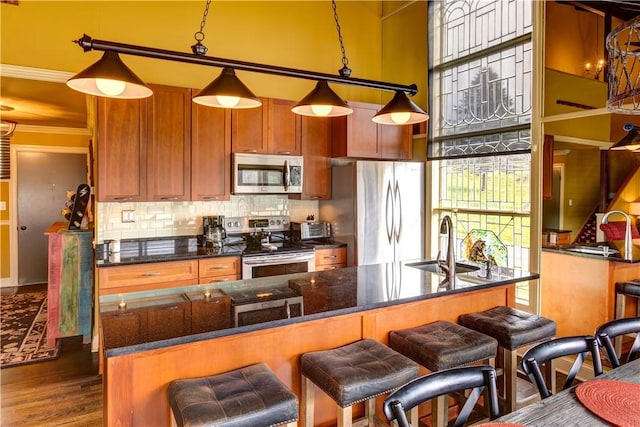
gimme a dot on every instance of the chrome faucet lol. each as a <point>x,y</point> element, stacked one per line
<point>449,264</point>
<point>628,242</point>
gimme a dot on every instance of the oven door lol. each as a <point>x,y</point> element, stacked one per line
<point>263,265</point>
<point>260,312</point>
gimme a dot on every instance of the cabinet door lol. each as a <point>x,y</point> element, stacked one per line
<point>122,149</point>
<point>356,135</point>
<point>124,327</point>
<point>210,315</point>
<point>210,153</point>
<point>168,321</point>
<point>329,259</point>
<point>284,128</point>
<point>316,150</point>
<point>396,142</point>
<point>169,144</point>
<point>249,129</point>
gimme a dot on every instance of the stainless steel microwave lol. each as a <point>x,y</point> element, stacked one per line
<point>267,174</point>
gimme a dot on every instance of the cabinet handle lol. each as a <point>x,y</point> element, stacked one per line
<point>152,274</point>
<point>315,197</point>
<point>250,151</point>
<point>211,197</point>
<point>220,280</point>
<point>169,198</point>
<point>212,301</point>
<point>122,199</point>
<point>284,152</point>
<point>330,257</point>
<point>173,307</point>
<point>219,267</point>
<point>125,314</point>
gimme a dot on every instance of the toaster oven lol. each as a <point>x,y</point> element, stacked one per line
<point>311,230</point>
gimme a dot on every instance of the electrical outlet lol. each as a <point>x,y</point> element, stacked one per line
<point>128,216</point>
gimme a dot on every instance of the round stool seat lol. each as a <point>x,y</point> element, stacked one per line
<point>511,327</point>
<point>250,396</point>
<point>443,345</point>
<point>631,288</point>
<point>358,371</point>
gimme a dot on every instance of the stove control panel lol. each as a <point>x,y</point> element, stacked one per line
<point>240,225</point>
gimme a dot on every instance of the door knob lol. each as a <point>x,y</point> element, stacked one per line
<point>23,227</point>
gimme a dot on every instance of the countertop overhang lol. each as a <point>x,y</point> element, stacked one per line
<point>618,245</point>
<point>364,287</point>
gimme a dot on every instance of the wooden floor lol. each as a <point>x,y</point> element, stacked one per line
<point>62,392</point>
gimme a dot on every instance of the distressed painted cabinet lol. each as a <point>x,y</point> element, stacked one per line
<point>70,289</point>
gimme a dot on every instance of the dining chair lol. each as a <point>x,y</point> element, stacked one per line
<point>545,353</point>
<point>608,332</point>
<point>474,378</point>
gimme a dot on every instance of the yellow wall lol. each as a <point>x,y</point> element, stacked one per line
<point>297,34</point>
<point>630,193</point>
<point>583,169</point>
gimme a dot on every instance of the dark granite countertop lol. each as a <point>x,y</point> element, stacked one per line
<point>616,245</point>
<point>178,248</point>
<point>349,290</point>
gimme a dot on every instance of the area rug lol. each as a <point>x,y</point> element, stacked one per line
<point>23,330</point>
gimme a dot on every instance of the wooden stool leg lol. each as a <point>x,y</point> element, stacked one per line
<point>510,375</point>
<point>414,418</point>
<point>293,424</point>
<point>307,402</point>
<point>345,416</point>
<point>440,411</point>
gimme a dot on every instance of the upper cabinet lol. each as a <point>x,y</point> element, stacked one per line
<point>269,129</point>
<point>169,144</point>
<point>210,153</point>
<point>356,135</point>
<point>122,150</point>
<point>316,150</point>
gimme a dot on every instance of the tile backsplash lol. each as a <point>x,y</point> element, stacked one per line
<point>161,219</point>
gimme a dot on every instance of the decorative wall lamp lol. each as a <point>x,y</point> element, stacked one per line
<point>590,70</point>
<point>631,141</point>
<point>623,52</point>
<point>110,77</point>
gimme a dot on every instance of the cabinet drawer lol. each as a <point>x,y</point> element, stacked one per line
<point>146,276</point>
<point>331,257</point>
<point>218,267</point>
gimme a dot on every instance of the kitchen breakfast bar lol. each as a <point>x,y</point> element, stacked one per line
<point>340,306</point>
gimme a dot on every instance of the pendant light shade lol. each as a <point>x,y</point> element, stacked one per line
<point>322,102</point>
<point>400,111</point>
<point>631,140</point>
<point>227,91</point>
<point>110,77</point>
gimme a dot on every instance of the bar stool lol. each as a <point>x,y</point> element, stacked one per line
<point>443,345</point>
<point>624,290</point>
<point>249,396</point>
<point>353,373</point>
<point>513,329</point>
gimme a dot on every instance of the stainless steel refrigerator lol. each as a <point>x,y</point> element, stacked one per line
<point>377,208</point>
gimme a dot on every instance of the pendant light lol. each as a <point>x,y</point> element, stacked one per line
<point>227,91</point>
<point>631,140</point>
<point>400,111</point>
<point>110,77</point>
<point>322,102</point>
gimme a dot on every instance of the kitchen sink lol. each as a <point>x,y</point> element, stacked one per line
<point>434,267</point>
<point>592,250</point>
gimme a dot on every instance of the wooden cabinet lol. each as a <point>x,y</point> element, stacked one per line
<point>210,153</point>
<point>356,135</point>
<point>169,144</point>
<point>219,269</point>
<point>124,327</point>
<point>141,277</point>
<point>209,314</point>
<point>70,283</point>
<point>316,149</point>
<point>169,320</point>
<point>122,150</point>
<point>329,259</point>
<point>144,147</point>
<point>269,129</point>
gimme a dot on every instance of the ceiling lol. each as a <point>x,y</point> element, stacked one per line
<point>52,103</point>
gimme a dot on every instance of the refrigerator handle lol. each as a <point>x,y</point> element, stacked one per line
<point>389,214</point>
<point>398,207</point>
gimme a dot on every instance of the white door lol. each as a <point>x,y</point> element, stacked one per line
<point>43,179</point>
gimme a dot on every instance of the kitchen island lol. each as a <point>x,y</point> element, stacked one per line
<point>578,284</point>
<point>351,304</point>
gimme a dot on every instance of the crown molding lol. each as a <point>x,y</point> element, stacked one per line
<point>18,71</point>
<point>52,129</point>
